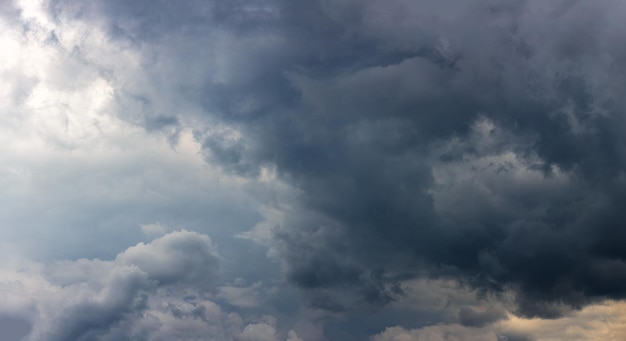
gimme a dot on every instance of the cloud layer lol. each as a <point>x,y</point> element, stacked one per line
<point>485,146</point>
<point>352,150</point>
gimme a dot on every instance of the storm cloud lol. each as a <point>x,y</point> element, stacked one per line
<point>479,141</point>
<point>364,146</point>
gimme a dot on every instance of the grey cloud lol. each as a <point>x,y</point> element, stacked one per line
<point>361,151</point>
<point>14,329</point>
<point>445,333</point>
<point>184,256</point>
<point>574,326</point>
<point>257,332</point>
<point>486,146</point>
<point>240,295</point>
<point>156,291</point>
<point>73,174</point>
<point>95,296</point>
<point>514,337</point>
<point>480,317</point>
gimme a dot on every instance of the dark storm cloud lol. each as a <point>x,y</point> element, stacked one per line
<point>481,141</point>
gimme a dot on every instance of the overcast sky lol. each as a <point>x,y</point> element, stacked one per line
<point>316,170</point>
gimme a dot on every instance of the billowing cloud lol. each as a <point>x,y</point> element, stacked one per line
<point>483,147</point>
<point>156,291</point>
<point>353,150</point>
<point>85,299</point>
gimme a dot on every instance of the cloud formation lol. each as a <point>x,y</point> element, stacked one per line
<point>157,291</point>
<point>484,146</point>
<point>600,322</point>
<point>366,148</point>
<point>354,118</point>
<point>85,299</point>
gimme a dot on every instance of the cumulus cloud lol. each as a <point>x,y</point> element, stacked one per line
<point>155,291</point>
<point>184,256</point>
<point>362,145</point>
<point>84,299</point>
<point>484,143</point>
<point>484,147</point>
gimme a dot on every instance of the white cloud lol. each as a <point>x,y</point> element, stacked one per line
<point>71,157</point>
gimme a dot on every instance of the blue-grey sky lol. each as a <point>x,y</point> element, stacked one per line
<point>312,170</point>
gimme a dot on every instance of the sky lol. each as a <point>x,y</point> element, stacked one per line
<point>320,170</point>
